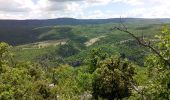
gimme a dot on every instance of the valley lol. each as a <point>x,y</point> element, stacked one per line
<point>69,59</point>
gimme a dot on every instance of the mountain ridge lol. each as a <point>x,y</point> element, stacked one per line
<point>16,32</point>
<point>72,21</point>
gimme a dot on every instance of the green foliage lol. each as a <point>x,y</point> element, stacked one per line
<point>84,79</point>
<point>19,81</point>
<point>71,83</point>
<point>42,91</point>
<point>67,50</point>
<point>3,54</point>
<point>79,35</point>
<point>101,75</point>
<point>96,55</point>
<point>159,71</point>
<point>112,79</point>
<point>141,76</point>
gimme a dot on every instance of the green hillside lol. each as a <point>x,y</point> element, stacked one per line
<point>84,38</point>
<point>86,61</point>
<point>17,32</point>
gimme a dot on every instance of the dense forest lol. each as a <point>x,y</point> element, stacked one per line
<point>85,59</point>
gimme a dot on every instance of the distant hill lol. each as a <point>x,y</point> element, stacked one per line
<point>72,21</point>
<point>58,21</point>
<point>17,32</point>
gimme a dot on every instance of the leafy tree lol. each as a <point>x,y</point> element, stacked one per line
<point>65,85</point>
<point>42,90</point>
<point>71,83</point>
<point>96,55</point>
<point>84,79</point>
<point>112,79</point>
<point>159,68</point>
<point>20,82</point>
<point>158,64</point>
<point>3,54</point>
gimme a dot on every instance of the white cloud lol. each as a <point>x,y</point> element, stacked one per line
<point>27,9</point>
<point>15,5</point>
<point>100,2</point>
<point>151,9</point>
<point>131,2</point>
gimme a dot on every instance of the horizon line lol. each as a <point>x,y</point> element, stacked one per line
<point>87,18</point>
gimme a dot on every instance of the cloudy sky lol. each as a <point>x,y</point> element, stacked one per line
<point>85,9</point>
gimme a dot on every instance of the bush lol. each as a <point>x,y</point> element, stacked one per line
<point>112,79</point>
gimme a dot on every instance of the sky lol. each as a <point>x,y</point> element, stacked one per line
<point>84,9</point>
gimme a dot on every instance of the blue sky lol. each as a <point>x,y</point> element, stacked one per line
<point>84,9</point>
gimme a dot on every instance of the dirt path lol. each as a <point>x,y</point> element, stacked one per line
<point>93,40</point>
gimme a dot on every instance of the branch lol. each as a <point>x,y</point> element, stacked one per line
<point>135,87</point>
<point>143,43</point>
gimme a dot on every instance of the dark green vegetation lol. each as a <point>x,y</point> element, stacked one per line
<point>84,59</point>
<point>16,32</point>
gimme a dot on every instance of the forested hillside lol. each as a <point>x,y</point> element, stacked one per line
<point>16,32</point>
<point>71,59</point>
